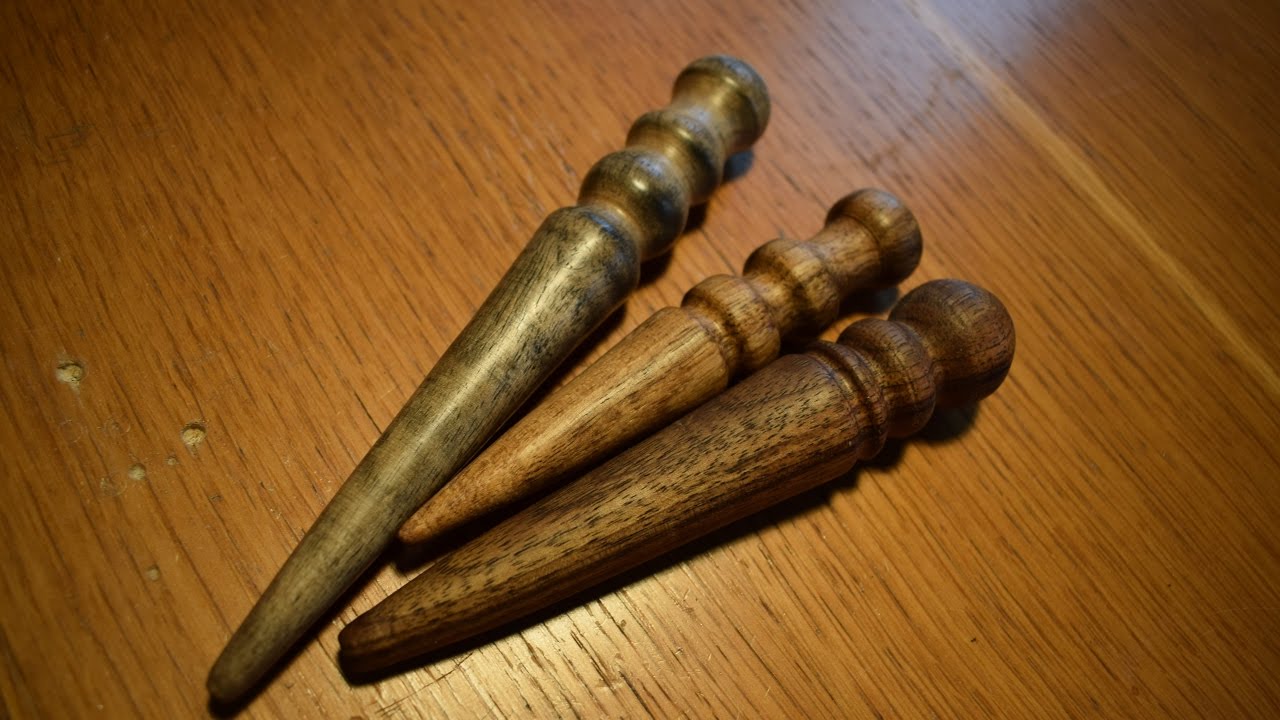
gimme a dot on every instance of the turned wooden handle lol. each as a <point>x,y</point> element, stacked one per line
<point>799,422</point>
<point>579,266</point>
<point>727,326</point>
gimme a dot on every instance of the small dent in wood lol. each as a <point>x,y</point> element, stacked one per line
<point>152,573</point>
<point>193,434</point>
<point>137,472</point>
<point>113,428</point>
<point>70,373</point>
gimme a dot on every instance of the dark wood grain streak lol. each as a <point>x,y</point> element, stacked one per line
<point>801,421</point>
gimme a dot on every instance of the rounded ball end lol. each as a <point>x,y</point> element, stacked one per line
<point>891,224</point>
<point>968,333</point>
<point>736,89</point>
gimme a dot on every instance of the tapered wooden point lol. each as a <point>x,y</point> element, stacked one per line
<point>803,420</point>
<point>579,266</point>
<point>727,327</point>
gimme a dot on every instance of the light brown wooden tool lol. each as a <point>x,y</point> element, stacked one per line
<point>799,422</point>
<point>576,270</point>
<point>726,327</point>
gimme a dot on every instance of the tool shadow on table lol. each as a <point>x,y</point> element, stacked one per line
<point>946,426</point>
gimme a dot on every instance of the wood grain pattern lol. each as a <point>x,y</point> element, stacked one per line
<point>726,326</point>
<point>801,421</point>
<point>272,219</point>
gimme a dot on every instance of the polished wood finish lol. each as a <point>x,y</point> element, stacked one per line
<point>727,326</point>
<point>580,265</point>
<point>800,422</point>
<point>255,227</point>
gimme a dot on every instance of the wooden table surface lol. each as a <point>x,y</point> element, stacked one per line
<point>236,236</point>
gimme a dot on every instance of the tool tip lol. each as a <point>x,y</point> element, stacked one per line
<point>419,528</point>
<point>365,646</point>
<point>226,684</point>
<point>460,501</point>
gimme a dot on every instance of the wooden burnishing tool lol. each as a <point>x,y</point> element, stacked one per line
<point>579,266</point>
<point>726,327</point>
<point>801,421</point>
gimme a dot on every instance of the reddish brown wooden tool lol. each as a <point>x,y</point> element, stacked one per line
<point>799,422</point>
<point>581,263</point>
<point>680,357</point>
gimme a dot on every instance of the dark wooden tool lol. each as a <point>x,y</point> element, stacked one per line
<point>579,266</point>
<point>799,422</point>
<point>680,357</point>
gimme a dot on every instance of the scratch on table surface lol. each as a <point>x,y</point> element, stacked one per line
<point>1249,608</point>
<point>60,145</point>
<point>108,488</point>
<point>73,425</point>
<point>386,710</point>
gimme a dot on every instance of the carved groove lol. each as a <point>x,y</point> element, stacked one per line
<point>675,156</point>
<point>738,320</point>
<point>793,289</point>
<point>806,295</point>
<point>891,375</point>
<point>859,383</point>
<point>696,150</point>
